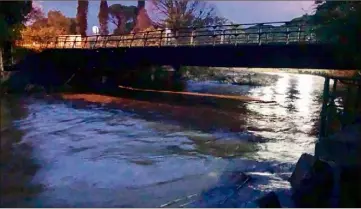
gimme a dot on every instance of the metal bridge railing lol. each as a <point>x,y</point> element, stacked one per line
<point>257,33</point>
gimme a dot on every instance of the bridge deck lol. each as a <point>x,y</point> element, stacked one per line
<point>262,45</point>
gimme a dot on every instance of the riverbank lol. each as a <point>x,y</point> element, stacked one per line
<point>236,76</point>
<point>316,72</point>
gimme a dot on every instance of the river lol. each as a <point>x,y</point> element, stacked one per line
<point>58,154</point>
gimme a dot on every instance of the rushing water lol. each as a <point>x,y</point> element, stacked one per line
<point>56,154</point>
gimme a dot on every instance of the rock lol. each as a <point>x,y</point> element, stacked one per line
<point>303,166</point>
<point>343,148</point>
<point>350,187</point>
<point>316,187</point>
<point>270,200</point>
<point>224,194</point>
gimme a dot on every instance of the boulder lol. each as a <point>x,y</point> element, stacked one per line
<point>270,200</point>
<point>343,148</point>
<point>315,188</point>
<point>303,166</point>
<point>350,187</point>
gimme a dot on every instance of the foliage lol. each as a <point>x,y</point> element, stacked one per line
<point>82,17</point>
<point>123,17</point>
<point>339,22</point>
<point>103,17</point>
<point>72,25</point>
<point>13,14</point>
<point>175,14</point>
<point>44,27</point>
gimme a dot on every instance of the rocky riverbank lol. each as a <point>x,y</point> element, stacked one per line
<point>236,76</point>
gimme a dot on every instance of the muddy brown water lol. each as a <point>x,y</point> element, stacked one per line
<point>101,151</point>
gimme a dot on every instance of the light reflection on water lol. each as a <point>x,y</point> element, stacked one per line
<point>290,120</point>
<point>103,157</point>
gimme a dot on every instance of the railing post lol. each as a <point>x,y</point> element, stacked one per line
<point>236,37</point>
<point>259,34</point>
<point>74,42</point>
<point>287,35</point>
<point>299,33</point>
<point>222,36</point>
<point>120,39</point>
<point>166,37</point>
<point>105,41</point>
<point>96,41</point>
<point>266,37</point>
<point>176,38</point>
<point>214,38</point>
<point>161,38</point>
<point>145,38</point>
<point>192,37</point>
<point>325,96</point>
<point>131,41</point>
<point>85,42</point>
<point>56,42</point>
<point>65,42</point>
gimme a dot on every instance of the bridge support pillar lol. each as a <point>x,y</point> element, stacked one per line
<point>177,75</point>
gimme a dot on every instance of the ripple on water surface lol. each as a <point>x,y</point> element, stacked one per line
<point>95,156</point>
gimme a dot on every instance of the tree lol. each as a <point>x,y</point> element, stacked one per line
<point>13,14</point>
<point>72,26</point>
<point>103,17</point>
<point>123,17</point>
<point>51,26</point>
<point>175,14</point>
<point>339,22</point>
<point>143,20</point>
<point>82,17</point>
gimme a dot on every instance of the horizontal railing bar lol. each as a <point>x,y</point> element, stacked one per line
<point>205,27</point>
<point>172,35</point>
<point>154,32</point>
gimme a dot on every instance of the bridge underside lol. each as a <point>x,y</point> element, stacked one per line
<point>310,56</point>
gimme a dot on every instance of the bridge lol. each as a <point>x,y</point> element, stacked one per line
<point>261,45</point>
<point>236,34</point>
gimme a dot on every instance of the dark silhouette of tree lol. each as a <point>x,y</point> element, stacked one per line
<point>140,5</point>
<point>72,26</point>
<point>123,17</point>
<point>13,14</point>
<point>143,20</point>
<point>339,22</point>
<point>103,17</point>
<point>82,17</point>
